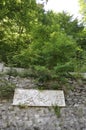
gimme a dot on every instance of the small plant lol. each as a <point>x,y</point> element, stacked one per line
<point>12,72</point>
<point>23,106</point>
<point>26,73</point>
<point>41,88</point>
<point>57,110</point>
<point>6,89</point>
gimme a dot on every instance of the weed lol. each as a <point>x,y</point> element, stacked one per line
<point>6,89</point>
<point>23,106</point>
<point>57,110</point>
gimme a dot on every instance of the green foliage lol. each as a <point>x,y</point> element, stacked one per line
<point>6,89</point>
<point>57,50</point>
<point>83,9</point>
<point>16,26</point>
<point>82,39</point>
<point>23,106</point>
<point>50,43</point>
<point>42,73</point>
<point>57,110</point>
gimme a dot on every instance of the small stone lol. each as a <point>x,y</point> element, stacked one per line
<point>36,128</point>
<point>11,108</point>
<point>76,105</point>
<point>28,123</point>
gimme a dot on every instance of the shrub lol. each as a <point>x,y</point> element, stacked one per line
<point>53,58</point>
<point>6,89</point>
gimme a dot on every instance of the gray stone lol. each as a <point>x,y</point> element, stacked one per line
<point>32,97</point>
<point>72,117</point>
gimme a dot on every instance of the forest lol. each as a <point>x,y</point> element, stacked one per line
<point>53,44</point>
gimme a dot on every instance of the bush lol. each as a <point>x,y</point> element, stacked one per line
<point>6,89</point>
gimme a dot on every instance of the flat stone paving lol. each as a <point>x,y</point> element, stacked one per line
<point>31,97</point>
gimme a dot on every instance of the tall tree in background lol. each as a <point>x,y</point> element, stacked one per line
<point>83,9</point>
<point>32,37</point>
<point>18,18</point>
<point>82,39</point>
<point>82,34</point>
<point>53,36</point>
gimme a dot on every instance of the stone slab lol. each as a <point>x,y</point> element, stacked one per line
<point>31,97</point>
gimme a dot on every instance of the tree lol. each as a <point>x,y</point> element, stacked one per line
<point>83,9</point>
<point>18,19</point>
<point>32,37</point>
<point>51,46</point>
